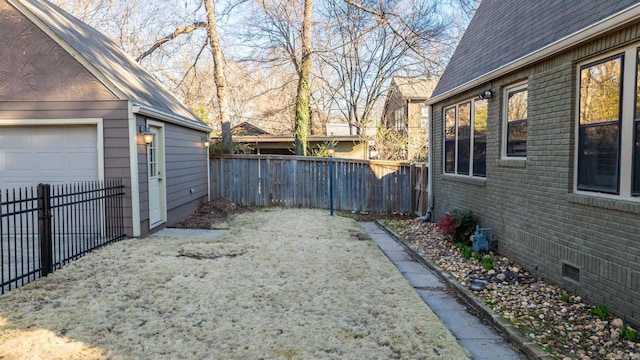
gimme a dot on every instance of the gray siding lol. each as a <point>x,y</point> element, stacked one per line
<point>186,168</point>
<point>539,222</point>
<point>115,120</point>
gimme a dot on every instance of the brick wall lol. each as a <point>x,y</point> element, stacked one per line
<point>530,204</point>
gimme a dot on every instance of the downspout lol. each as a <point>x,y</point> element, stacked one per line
<point>430,165</point>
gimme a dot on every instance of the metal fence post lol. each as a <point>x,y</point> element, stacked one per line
<point>44,229</point>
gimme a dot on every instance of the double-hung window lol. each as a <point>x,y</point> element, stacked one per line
<point>515,135</point>
<point>465,134</point>
<point>608,129</point>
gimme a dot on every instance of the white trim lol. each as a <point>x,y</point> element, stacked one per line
<point>98,122</point>
<point>629,58</point>
<point>69,49</point>
<point>162,170</point>
<point>133,165</point>
<point>145,111</point>
<point>505,115</point>
<point>605,25</point>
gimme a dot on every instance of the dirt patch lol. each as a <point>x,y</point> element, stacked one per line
<point>213,215</point>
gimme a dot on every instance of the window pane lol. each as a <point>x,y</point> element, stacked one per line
<point>517,123</point>
<point>598,158</point>
<point>517,138</point>
<point>600,92</point>
<point>517,105</point>
<point>449,140</point>
<point>464,138</point>
<point>480,138</point>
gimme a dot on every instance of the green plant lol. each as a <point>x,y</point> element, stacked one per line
<point>628,333</point>
<point>487,263</point>
<point>459,245</point>
<point>458,225</point>
<point>601,311</point>
<point>466,251</point>
<point>477,256</point>
<point>565,297</point>
<point>322,150</point>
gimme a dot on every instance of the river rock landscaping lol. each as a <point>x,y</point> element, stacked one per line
<point>565,325</point>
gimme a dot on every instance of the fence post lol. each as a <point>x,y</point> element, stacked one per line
<point>44,229</point>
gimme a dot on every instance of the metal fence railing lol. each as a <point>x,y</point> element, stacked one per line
<point>43,228</point>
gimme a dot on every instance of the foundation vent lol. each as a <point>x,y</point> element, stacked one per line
<point>571,272</point>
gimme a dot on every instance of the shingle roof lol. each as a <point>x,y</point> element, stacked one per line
<point>413,88</point>
<point>503,31</point>
<point>131,79</point>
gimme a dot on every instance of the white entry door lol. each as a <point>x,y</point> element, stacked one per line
<point>155,170</point>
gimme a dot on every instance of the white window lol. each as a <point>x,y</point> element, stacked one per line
<point>514,139</point>
<point>465,138</point>
<point>424,116</point>
<point>608,125</point>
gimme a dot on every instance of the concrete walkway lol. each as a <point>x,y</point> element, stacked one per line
<point>480,341</point>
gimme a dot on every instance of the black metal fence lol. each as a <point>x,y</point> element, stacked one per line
<point>43,228</point>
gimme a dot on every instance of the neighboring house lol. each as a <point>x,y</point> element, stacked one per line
<point>535,129</point>
<point>407,112</point>
<point>254,140</point>
<point>72,105</point>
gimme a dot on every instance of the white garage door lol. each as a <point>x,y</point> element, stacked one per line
<point>54,154</point>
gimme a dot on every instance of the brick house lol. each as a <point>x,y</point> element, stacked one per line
<point>536,129</point>
<point>406,111</point>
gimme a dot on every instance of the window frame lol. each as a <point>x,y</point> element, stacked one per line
<point>630,58</point>
<point>470,170</point>
<point>517,87</point>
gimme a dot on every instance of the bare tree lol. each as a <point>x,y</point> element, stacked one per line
<point>365,47</point>
<point>303,96</point>
<point>218,76</point>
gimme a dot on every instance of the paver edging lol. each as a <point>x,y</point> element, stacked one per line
<point>530,348</point>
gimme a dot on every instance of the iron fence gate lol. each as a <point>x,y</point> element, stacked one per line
<point>45,227</point>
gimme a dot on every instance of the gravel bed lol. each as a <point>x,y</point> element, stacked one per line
<point>560,322</point>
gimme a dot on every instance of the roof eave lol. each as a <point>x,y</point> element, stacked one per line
<point>170,118</point>
<point>621,18</point>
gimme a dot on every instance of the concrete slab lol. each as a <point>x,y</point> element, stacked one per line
<point>440,301</point>
<point>386,243</point>
<point>190,233</point>
<point>466,326</point>
<point>498,349</point>
<point>422,280</point>
<point>411,267</point>
<point>395,255</point>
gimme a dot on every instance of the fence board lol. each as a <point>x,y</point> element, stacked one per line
<point>296,181</point>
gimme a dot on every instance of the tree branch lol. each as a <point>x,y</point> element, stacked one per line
<point>177,32</point>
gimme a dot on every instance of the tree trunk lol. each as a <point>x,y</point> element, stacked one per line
<point>218,76</point>
<point>303,97</point>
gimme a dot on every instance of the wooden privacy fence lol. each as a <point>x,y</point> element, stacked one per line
<point>298,181</point>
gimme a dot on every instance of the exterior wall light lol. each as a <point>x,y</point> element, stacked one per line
<point>147,135</point>
<point>485,95</point>
<point>205,140</point>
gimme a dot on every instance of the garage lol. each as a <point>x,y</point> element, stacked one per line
<point>53,154</point>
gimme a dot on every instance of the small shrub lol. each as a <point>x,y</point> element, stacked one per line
<point>487,263</point>
<point>466,252</point>
<point>565,297</point>
<point>601,311</point>
<point>628,333</point>
<point>458,225</point>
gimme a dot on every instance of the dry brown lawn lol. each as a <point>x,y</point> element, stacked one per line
<point>280,284</point>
